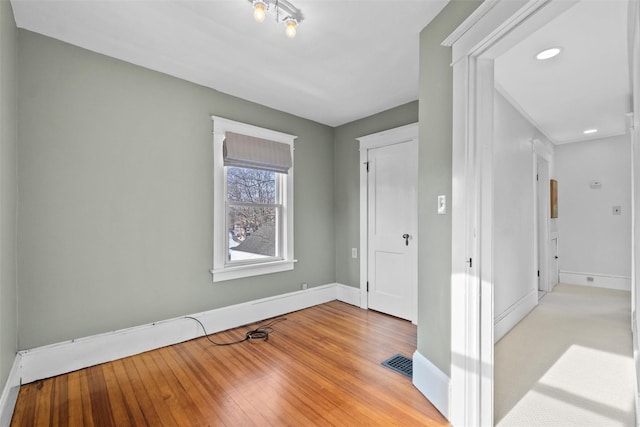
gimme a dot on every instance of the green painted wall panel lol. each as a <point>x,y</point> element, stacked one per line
<point>436,123</point>
<point>115,200</point>
<point>8,192</point>
<point>347,184</point>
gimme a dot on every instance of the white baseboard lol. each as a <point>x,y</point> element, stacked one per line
<point>10,393</point>
<point>348,294</point>
<point>620,283</point>
<point>636,359</point>
<point>505,321</point>
<point>56,359</point>
<point>432,383</point>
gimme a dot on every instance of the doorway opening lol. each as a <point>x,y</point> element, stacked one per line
<point>476,44</point>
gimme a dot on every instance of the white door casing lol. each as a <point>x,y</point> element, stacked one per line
<point>388,221</point>
<point>634,128</point>
<point>494,27</point>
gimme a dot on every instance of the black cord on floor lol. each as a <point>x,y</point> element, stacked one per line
<point>260,333</point>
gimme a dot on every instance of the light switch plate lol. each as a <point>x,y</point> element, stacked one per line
<point>442,204</point>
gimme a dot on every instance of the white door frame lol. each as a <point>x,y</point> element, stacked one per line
<point>634,127</point>
<point>381,139</point>
<point>492,29</point>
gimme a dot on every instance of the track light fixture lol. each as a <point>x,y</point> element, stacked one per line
<point>283,10</point>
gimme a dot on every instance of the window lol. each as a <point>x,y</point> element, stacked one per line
<point>253,200</point>
<point>254,210</point>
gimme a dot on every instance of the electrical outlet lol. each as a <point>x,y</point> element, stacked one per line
<point>354,253</point>
<point>590,279</point>
<point>304,286</point>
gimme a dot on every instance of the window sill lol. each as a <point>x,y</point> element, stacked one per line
<point>240,271</point>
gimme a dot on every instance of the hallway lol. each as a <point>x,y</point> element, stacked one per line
<point>569,362</point>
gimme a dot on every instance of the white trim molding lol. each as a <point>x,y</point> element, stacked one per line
<point>514,314</point>
<point>607,281</point>
<point>432,383</point>
<point>221,270</point>
<point>48,361</point>
<point>494,28</point>
<point>10,392</point>
<point>348,294</point>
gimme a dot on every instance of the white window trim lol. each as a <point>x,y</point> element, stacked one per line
<point>221,271</point>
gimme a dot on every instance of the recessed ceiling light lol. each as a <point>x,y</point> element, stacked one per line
<point>590,131</point>
<point>548,53</point>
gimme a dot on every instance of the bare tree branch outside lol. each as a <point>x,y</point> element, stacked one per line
<point>252,229</point>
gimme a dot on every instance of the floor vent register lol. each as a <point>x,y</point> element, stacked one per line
<point>400,364</point>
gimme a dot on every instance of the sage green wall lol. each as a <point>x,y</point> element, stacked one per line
<point>8,198</point>
<point>435,169</point>
<point>347,184</point>
<point>115,200</point>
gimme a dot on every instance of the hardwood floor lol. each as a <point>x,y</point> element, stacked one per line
<point>321,366</point>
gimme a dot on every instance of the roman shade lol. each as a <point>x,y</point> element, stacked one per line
<point>250,152</point>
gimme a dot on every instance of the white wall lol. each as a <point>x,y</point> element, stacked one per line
<point>594,242</point>
<point>515,266</point>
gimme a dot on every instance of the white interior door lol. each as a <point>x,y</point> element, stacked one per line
<point>542,215</point>
<point>388,221</point>
<point>392,225</point>
<point>555,270</point>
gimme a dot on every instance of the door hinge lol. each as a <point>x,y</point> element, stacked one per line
<point>470,262</point>
<point>367,286</point>
<point>367,165</point>
<point>537,177</point>
<point>538,273</point>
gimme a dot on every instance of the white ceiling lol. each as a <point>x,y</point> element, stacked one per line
<point>350,59</point>
<point>586,86</point>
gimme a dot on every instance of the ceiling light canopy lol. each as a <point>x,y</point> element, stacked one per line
<point>548,53</point>
<point>283,10</point>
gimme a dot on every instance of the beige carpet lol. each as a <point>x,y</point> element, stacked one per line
<point>568,363</point>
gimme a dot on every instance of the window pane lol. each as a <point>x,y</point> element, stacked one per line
<point>253,233</point>
<point>251,185</point>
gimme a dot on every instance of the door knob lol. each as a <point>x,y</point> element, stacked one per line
<point>406,239</point>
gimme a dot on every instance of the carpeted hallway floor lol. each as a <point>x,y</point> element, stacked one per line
<point>568,363</point>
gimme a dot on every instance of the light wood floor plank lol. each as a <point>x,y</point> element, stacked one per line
<point>320,366</point>
<point>124,414</point>
<point>61,401</point>
<point>85,395</point>
<point>74,399</point>
<point>216,398</point>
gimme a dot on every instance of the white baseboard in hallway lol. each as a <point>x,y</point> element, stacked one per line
<point>504,322</point>
<point>620,283</point>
